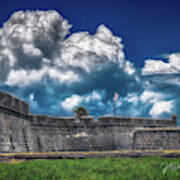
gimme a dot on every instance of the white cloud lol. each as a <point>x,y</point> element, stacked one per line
<point>174,60</point>
<point>132,98</point>
<point>93,96</point>
<point>29,50</point>
<point>92,52</point>
<point>156,67</point>
<point>65,77</point>
<point>31,97</point>
<point>129,68</point>
<point>160,107</point>
<point>150,97</point>
<point>33,46</point>
<point>27,39</point>
<point>75,100</point>
<point>71,102</point>
<point>25,77</point>
<point>161,67</point>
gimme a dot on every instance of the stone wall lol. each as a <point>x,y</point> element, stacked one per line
<point>15,132</point>
<point>22,132</point>
<point>68,134</point>
<point>106,133</point>
<point>13,103</point>
<point>157,138</point>
<point>138,121</point>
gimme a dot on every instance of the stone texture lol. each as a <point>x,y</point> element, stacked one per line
<point>157,138</point>
<point>15,132</point>
<point>12,103</point>
<point>22,132</point>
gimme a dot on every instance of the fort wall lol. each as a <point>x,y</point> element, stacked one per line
<point>15,132</point>
<point>24,132</point>
<point>157,139</point>
<point>12,103</point>
<point>107,133</point>
<point>138,121</point>
<point>68,134</point>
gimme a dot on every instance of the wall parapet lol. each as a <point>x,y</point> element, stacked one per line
<point>42,120</point>
<point>138,121</point>
<point>102,121</point>
<point>12,103</point>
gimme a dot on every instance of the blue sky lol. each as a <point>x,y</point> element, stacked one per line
<point>70,53</point>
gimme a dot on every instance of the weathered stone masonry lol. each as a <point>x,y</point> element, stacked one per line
<point>21,131</point>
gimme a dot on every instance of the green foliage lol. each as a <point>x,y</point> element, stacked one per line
<point>80,111</point>
<point>150,168</point>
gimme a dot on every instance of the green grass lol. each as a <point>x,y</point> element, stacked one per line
<point>149,168</point>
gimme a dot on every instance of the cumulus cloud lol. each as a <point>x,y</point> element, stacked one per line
<point>34,47</point>
<point>27,41</point>
<point>55,70</point>
<point>94,98</point>
<point>24,77</point>
<point>161,107</point>
<point>161,67</point>
<point>92,52</point>
<point>47,68</point>
<point>71,102</point>
<point>162,85</point>
<point>150,96</point>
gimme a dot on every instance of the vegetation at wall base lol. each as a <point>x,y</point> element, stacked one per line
<point>149,168</point>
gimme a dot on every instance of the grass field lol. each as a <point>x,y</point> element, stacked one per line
<point>149,168</point>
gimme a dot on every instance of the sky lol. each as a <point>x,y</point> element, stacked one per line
<point>58,55</point>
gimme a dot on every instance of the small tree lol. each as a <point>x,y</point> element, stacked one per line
<point>80,111</point>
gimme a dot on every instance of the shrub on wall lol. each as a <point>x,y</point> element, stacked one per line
<point>80,111</point>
